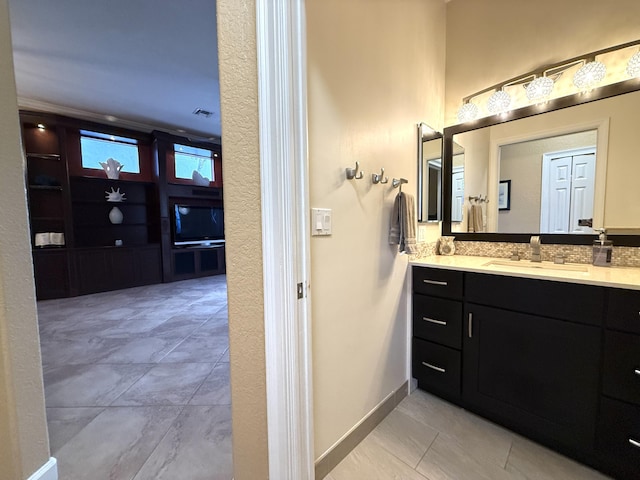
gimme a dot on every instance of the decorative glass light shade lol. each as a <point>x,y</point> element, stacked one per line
<point>589,75</point>
<point>633,67</point>
<point>498,102</point>
<point>539,89</point>
<point>469,111</point>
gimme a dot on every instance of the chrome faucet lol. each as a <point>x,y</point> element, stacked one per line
<point>535,249</point>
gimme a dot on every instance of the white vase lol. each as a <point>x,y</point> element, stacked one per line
<point>446,246</point>
<point>115,215</point>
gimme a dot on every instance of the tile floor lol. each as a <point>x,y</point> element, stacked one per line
<point>137,387</point>
<point>426,438</point>
<point>137,382</point>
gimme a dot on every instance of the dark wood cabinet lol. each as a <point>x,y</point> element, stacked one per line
<point>437,326</point>
<point>111,268</point>
<point>537,374</point>
<point>194,262</point>
<point>557,362</point>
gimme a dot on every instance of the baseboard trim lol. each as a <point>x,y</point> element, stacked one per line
<point>353,437</point>
<point>49,471</point>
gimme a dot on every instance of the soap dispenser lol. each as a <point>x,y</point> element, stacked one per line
<point>602,250</point>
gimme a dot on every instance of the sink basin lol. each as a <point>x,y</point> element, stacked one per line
<point>527,265</point>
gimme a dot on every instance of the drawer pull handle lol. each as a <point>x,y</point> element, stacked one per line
<point>440,322</point>
<point>436,282</point>
<point>635,443</point>
<point>470,332</point>
<point>442,370</point>
<point>637,371</point>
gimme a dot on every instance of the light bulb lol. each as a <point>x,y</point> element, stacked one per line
<point>539,89</point>
<point>633,67</point>
<point>469,111</point>
<point>499,102</point>
<point>589,75</point>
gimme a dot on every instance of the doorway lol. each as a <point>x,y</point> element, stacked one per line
<point>568,190</point>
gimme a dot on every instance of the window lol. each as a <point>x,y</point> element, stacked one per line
<point>98,147</point>
<point>192,163</point>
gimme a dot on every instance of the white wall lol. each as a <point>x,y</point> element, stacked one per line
<point>24,446</point>
<point>375,69</point>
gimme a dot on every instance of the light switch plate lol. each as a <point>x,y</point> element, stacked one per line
<point>321,219</point>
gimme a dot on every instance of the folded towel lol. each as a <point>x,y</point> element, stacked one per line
<point>402,230</point>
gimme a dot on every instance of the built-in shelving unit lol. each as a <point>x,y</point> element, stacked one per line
<point>68,203</point>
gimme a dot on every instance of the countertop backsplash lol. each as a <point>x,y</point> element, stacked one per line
<point>622,256</point>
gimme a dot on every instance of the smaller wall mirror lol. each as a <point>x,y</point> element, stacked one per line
<point>429,174</point>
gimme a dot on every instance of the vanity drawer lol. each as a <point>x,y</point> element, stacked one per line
<point>564,301</point>
<point>624,310</point>
<point>438,282</point>
<point>622,366</point>
<point>619,436</point>
<point>436,368</point>
<point>437,320</point>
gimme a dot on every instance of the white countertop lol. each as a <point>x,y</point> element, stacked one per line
<point>616,277</point>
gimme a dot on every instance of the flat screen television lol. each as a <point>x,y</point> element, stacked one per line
<point>196,225</point>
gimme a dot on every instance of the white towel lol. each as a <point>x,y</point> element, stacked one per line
<point>402,230</point>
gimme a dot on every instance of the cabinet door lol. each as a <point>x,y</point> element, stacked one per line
<point>534,374</point>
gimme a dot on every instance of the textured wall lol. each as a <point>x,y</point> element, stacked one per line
<point>375,69</point>
<point>241,166</point>
<point>491,41</point>
<point>23,430</point>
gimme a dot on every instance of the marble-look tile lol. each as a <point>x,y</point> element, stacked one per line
<point>536,462</point>
<point>216,389</point>
<point>481,439</point>
<point>404,437</point>
<point>65,423</point>
<point>116,443</point>
<point>180,325</point>
<point>446,459</point>
<point>225,357</point>
<point>197,447</point>
<point>369,461</point>
<point>216,326</point>
<point>139,325</point>
<point>170,384</point>
<point>146,349</point>
<point>89,385</point>
<point>77,351</point>
<point>198,348</point>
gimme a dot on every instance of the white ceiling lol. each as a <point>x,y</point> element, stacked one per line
<point>148,63</point>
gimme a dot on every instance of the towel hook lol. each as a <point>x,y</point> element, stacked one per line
<point>398,183</point>
<point>352,173</point>
<point>375,178</point>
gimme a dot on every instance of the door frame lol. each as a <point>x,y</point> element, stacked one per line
<point>282,102</point>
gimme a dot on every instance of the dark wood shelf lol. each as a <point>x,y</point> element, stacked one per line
<point>112,225</point>
<point>44,156</point>
<point>105,202</point>
<point>47,219</point>
<point>46,187</point>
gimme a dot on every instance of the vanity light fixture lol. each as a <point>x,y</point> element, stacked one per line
<point>469,111</point>
<point>590,75</point>
<point>499,102</point>
<point>633,67</point>
<point>539,89</point>
<point>539,84</point>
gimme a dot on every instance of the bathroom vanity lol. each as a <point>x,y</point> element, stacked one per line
<point>552,352</point>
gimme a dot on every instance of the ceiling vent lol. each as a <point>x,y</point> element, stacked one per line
<point>202,112</point>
